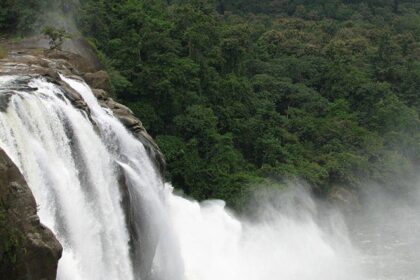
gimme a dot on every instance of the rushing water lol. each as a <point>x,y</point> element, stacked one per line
<point>285,242</point>
<point>139,229</point>
<point>73,178</point>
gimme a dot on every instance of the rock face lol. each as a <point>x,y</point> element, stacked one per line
<point>31,248</point>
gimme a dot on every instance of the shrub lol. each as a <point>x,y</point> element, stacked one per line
<point>56,37</point>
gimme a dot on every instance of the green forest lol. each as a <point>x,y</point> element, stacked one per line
<point>243,93</point>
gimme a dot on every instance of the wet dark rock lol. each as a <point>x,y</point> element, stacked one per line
<point>73,96</point>
<point>37,252</point>
<point>4,101</point>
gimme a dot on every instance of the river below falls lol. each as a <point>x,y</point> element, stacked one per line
<point>390,243</point>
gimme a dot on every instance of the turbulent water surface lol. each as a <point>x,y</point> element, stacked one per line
<point>136,228</point>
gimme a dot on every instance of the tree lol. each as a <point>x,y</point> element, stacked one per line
<point>56,37</point>
<point>236,90</point>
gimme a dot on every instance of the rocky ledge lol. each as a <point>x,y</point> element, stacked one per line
<point>32,59</point>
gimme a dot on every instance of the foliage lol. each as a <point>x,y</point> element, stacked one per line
<point>17,15</point>
<point>239,90</point>
<point>28,17</point>
<point>55,36</point>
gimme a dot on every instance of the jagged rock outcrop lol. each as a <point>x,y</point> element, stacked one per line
<point>30,248</point>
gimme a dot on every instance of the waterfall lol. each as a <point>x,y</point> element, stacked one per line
<point>73,172</point>
<point>99,192</point>
<point>72,177</point>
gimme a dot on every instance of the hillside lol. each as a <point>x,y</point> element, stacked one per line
<point>240,92</point>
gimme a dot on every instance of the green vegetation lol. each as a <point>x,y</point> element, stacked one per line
<point>18,16</point>
<point>55,36</point>
<point>23,17</point>
<point>236,91</point>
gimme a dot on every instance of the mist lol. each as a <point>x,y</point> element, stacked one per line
<point>386,228</point>
<point>59,14</point>
<point>290,234</point>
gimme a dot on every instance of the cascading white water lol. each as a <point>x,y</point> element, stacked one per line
<point>73,173</point>
<point>73,168</point>
<point>73,179</point>
<point>146,193</point>
<point>285,242</point>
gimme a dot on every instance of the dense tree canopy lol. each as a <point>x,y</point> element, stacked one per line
<point>236,91</point>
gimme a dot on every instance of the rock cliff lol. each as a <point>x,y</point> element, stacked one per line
<point>28,250</point>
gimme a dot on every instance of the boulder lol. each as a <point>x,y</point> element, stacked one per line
<point>118,108</point>
<point>100,94</point>
<point>99,80</point>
